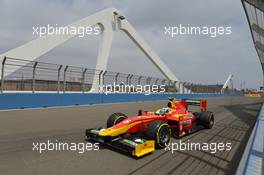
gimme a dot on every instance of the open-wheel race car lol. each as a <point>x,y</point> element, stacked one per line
<point>141,134</point>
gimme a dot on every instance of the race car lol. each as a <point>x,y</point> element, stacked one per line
<point>141,134</point>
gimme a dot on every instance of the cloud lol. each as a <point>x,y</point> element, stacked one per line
<point>192,58</point>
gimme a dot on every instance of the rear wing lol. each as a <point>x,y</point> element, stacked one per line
<point>197,102</point>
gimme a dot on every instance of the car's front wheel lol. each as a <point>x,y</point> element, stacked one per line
<point>115,118</point>
<point>160,132</point>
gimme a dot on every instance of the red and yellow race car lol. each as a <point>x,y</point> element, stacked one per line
<point>141,134</point>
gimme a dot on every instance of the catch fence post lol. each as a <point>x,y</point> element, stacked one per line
<point>64,78</point>
<point>34,77</point>
<point>58,83</point>
<point>2,75</point>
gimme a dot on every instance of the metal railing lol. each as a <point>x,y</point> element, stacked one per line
<point>23,75</point>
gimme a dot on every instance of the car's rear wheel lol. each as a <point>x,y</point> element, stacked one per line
<point>160,132</point>
<point>115,118</point>
<point>206,119</point>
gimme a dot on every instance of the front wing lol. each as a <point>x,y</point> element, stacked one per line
<point>128,143</point>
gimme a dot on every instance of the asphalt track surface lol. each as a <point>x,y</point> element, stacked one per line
<point>19,129</point>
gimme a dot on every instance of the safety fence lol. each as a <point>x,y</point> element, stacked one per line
<point>252,161</point>
<point>24,75</point>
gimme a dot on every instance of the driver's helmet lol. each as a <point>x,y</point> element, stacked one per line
<point>163,111</point>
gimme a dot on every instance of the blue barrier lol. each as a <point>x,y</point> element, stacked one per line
<point>36,100</point>
<point>252,161</point>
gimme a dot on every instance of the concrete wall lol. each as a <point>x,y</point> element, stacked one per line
<point>31,100</point>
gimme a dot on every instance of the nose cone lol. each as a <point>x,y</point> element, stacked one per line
<point>107,132</point>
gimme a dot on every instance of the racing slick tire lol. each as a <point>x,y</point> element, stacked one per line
<point>114,119</point>
<point>207,119</point>
<point>160,132</point>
